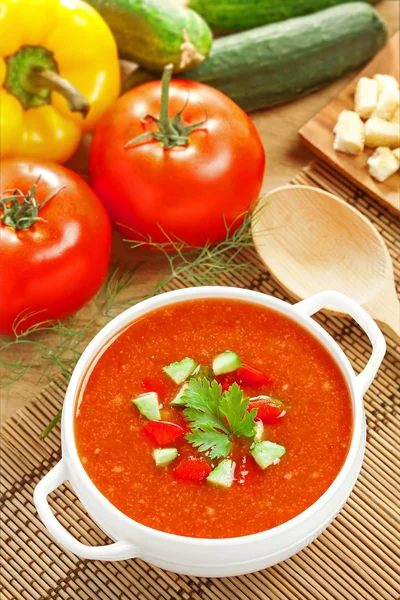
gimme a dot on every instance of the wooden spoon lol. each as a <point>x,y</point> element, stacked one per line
<point>311,241</point>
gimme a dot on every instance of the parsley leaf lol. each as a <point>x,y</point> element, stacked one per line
<point>234,407</point>
<point>214,417</point>
<point>207,438</point>
<point>202,402</point>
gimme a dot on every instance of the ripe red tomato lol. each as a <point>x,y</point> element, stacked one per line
<point>58,263</point>
<point>192,191</point>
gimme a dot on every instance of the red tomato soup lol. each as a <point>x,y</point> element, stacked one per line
<point>310,417</point>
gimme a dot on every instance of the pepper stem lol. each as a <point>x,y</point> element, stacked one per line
<point>39,78</point>
<point>171,131</point>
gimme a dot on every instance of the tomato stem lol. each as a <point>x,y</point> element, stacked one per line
<point>171,131</point>
<point>22,211</point>
<point>165,83</point>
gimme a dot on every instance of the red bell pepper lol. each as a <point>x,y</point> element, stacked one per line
<point>250,377</point>
<point>163,432</point>
<point>269,411</point>
<point>192,469</point>
<point>153,384</point>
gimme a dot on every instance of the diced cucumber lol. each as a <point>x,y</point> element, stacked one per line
<point>259,431</point>
<point>178,400</point>
<point>148,406</point>
<point>226,362</point>
<point>202,372</point>
<point>266,453</point>
<point>223,474</point>
<point>164,456</point>
<point>179,371</point>
<point>270,400</point>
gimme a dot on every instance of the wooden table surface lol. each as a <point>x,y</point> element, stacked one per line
<point>286,156</point>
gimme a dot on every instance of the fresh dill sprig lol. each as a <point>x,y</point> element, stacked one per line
<point>202,265</point>
<point>55,347</point>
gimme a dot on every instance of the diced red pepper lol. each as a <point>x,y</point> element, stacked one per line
<point>225,384</point>
<point>182,422</point>
<point>267,412</point>
<point>250,377</point>
<point>192,469</point>
<point>153,384</point>
<point>163,432</point>
<point>226,381</point>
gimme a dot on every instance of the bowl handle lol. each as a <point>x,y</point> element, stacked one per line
<point>51,481</point>
<point>330,298</point>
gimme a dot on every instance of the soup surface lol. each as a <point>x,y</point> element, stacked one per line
<point>315,426</point>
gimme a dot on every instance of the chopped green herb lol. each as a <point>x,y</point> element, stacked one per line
<point>208,438</point>
<point>234,407</point>
<point>215,417</point>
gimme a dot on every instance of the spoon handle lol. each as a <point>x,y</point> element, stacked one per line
<point>386,310</point>
<point>391,330</point>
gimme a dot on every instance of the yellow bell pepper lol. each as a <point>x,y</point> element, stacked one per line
<point>59,72</point>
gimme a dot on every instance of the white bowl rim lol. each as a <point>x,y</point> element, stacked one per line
<point>114,327</point>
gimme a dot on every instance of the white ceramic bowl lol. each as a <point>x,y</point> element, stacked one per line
<point>211,557</point>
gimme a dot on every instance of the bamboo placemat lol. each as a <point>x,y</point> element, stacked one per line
<point>356,558</point>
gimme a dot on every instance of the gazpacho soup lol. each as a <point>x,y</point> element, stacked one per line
<point>213,418</point>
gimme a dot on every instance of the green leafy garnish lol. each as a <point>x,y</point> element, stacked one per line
<point>215,416</point>
<point>234,407</point>
<point>210,264</point>
<point>207,438</point>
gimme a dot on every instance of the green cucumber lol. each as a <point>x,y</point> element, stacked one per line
<point>164,456</point>
<point>179,371</point>
<point>148,406</point>
<point>178,400</point>
<point>226,362</point>
<point>236,15</point>
<point>267,453</point>
<point>259,431</point>
<point>223,474</point>
<point>279,62</point>
<point>154,33</point>
<point>203,372</point>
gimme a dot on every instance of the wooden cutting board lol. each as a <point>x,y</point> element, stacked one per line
<point>317,133</point>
